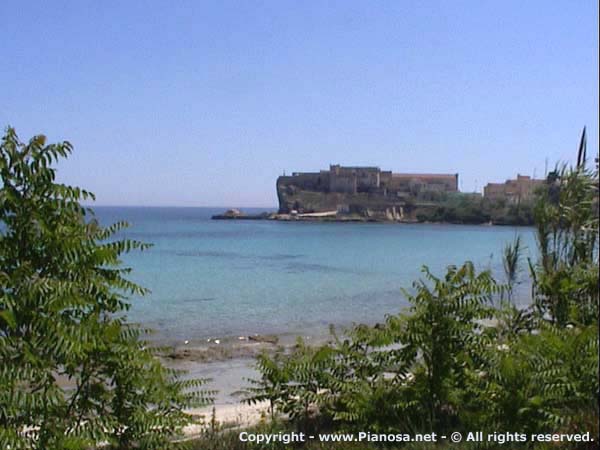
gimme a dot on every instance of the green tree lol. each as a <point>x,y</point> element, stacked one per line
<point>394,377</point>
<point>272,386</point>
<point>536,382</point>
<point>441,327</point>
<point>73,371</point>
<point>566,276</point>
<point>295,383</point>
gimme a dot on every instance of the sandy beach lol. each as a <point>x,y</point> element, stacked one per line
<point>238,415</point>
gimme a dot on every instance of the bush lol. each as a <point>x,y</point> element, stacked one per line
<point>63,299</point>
<point>437,367</point>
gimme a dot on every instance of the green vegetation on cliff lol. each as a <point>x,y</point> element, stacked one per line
<point>474,209</point>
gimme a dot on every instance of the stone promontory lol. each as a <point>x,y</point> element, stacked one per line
<point>369,194</point>
<point>361,193</point>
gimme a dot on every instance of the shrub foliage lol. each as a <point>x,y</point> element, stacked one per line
<point>73,371</point>
<point>462,357</point>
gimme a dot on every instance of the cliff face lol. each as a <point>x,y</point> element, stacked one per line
<point>294,199</point>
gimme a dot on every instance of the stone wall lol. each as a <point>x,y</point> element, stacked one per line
<point>513,191</point>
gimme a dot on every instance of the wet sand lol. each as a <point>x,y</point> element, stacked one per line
<point>229,362</point>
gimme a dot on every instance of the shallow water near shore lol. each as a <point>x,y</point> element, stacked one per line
<point>213,282</point>
<point>211,279</point>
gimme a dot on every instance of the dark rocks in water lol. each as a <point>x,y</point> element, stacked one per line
<point>268,338</point>
<point>227,349</point>
<point>229,214</point>
<point>236,214</point>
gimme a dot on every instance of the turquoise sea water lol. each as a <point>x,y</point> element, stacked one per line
<point>227,278</point>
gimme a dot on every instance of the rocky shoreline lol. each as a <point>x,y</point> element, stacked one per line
<point>340,217</point>
<point>324,216</point>
<point>224,349</point>
<point>235,347</point>
<point>228,363</point>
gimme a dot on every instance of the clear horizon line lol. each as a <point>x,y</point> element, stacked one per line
<point>88,205</point>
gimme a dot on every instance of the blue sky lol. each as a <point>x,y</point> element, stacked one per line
<point>205,103</point>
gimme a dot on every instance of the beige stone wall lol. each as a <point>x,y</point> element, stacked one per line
<point>520,189</point>
<point>353,179</point>
<point>342,183</point>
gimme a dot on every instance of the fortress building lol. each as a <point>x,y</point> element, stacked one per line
<point>358,189</point>
<point>513,191</point>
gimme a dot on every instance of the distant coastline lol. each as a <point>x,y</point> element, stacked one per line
<point>369,194</point>
<point>339,217</point>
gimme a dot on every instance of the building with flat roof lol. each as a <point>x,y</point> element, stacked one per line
<point>513,191</point>
<point>357,179</point>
